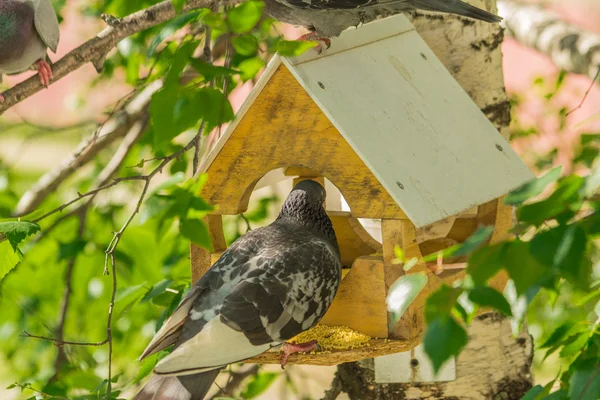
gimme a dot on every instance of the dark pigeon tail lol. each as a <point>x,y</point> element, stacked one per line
<point>457,7</point>
<point>187,387</point>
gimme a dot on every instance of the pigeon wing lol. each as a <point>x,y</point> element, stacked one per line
<point>46,23</point>
<point>280,293</point>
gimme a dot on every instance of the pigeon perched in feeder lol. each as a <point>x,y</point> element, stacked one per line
<point>268,286</point>
<point>328,18</point>
<point>27,29</point>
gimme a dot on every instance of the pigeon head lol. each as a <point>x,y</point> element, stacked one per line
<point>304,205</point>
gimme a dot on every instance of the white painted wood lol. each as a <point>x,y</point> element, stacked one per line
<point>412,124</point>
<point>397,368</point>
<point>358,36</point>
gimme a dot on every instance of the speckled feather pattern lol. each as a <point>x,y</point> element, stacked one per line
<point>330,17</point>
<point>271,284</point>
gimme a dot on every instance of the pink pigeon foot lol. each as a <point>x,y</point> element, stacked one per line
<point>289,348</point>
<point>1,99</point>
<point>45,72</point>
<point>313,36</point>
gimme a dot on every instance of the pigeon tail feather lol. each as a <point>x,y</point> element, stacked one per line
<point>457,7</point>
<point>187,387</point>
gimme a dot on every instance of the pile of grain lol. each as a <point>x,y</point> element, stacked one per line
<point>333,337</point>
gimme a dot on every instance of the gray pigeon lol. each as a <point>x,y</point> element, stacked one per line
<point>328,18</point>
<point>27,29</point>
<point>268,286</point>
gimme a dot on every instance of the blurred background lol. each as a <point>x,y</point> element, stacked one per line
<point>549,128</point>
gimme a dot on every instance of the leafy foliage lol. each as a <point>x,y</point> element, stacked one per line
<point>552,255</point>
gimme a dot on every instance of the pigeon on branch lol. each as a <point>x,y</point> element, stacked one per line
<point>328,18</point>
<point>27,29</point>
<point>268,286</point>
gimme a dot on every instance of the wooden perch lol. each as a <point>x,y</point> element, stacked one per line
<point>569,47</point>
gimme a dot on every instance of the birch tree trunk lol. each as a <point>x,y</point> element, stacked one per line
<point>495,365</point>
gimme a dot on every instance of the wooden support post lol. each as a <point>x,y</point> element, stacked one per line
<point>360,301</point>
<point>201,258</point>
<point>392,235</point>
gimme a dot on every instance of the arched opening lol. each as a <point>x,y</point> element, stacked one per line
<point>356,237</point>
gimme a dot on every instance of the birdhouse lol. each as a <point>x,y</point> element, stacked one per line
<point>380,117</point>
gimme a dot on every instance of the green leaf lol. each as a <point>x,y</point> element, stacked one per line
<point>259,383</point>
<point>210,71</point>
<point>476,240</point>
<point>169,29</point>
<point>146,367</point>
<point>213,106</point>
<point>525,270</point>
<point>441,302</point>
<point>533,393</point>
<point>195,230</point>
<point>559,334</point>
<point>533,188</point>
<point>485,262</point>
<point>250,67</point>
<point>564,249</point>
<point>565,197</point>
<point>17,231</point>
<point>574,344</point>
<point>294,48</point>
<point>485,296</point>
<point>246,45</point>
<point>585,382</point>
<point>403,292</point>
<point>444,339</point>
<point>157,289</point>
<point>244,17</point>
<point>8,259</point>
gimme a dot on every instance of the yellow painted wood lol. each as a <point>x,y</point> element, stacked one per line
<point>353,239</point>
<point>201,259</point>
<point>285,128</point>
<point>360,301</point>
<point>392,235</point>
<point>300,171</point>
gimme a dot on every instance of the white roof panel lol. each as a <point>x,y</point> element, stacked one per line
<point>412,124</point>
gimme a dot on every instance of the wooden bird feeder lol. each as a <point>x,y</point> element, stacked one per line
<point>380,117</point>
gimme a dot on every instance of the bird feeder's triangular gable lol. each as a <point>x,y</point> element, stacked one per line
<point>425,144</point>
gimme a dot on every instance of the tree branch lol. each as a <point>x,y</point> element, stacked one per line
<point>95,50</point>
<point>569,47</point>
<point>335,390</point>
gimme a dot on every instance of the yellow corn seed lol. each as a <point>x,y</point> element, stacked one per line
<point>333,337</point>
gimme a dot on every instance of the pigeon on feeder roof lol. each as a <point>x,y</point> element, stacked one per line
<point>270,285</point>
<point>27,29</point>
<point>328,18</point>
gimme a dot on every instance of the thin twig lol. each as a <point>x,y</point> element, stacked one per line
<point>587,92</point>
<point>58,342</point>
<point>248,227</point>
